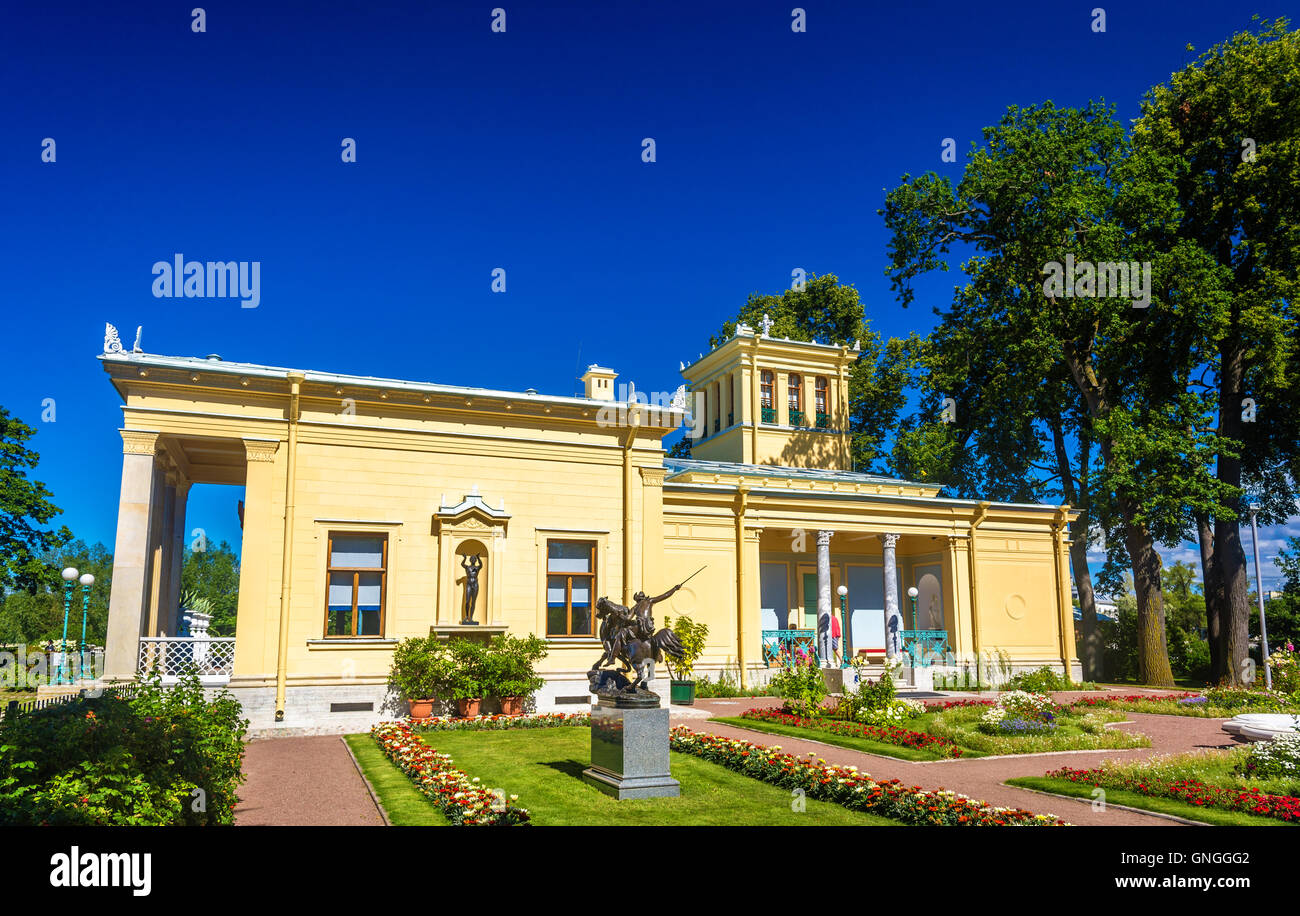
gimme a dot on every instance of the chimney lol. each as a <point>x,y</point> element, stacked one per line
<point>599,383</point>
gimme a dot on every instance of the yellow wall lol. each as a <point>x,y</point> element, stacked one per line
<point>370,459</point>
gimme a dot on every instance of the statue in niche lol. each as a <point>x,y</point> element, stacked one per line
<point>472,565</point>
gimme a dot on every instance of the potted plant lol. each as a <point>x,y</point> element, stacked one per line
<point>468,672</point>
<point>692,636</point>
<point>420,673</point>
<point>511,675</point>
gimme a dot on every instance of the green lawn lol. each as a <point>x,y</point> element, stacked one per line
<point>1214,816</point>
<point>853,743</point>
<point>405,804</point>
<point>544,768</point>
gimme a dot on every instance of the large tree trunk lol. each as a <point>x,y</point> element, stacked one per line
<point>1229,557</point>
<point>1213,599</point>
<point>1090,654</point>
<point>1153,654</point>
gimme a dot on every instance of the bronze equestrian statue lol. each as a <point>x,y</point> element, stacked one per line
<point>628,637</point>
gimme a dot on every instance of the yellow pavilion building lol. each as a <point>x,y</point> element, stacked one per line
<point>364,498</point>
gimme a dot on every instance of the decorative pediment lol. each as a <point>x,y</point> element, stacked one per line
<point>472,512</point>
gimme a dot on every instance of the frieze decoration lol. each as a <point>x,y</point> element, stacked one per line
<point>139,442</point>
<point>653,477</point>
<point>260,451</point>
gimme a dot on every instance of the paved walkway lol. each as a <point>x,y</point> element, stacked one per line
<point>982,778</point>
<point>309,782</point>
<point>312,781</point>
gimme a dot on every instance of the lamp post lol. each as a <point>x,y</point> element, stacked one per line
<point>86,580</point>
<point>911,596</point>
<point>61,675</point>
<point>1259,593</point>
<point>844,621</point>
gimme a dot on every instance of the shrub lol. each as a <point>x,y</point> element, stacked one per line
<point>1278,757</point>
<point>802,688</point>
<point>692,636</point>
<point>1285,665</point>
<point>509,666</point>
<point>1043,680</point>
<point>165,756</point>
<point>421,668</point>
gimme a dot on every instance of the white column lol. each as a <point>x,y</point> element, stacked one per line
<point>824,596</point>
<point>893,610</point>
<point>128,600</point>
<point>175,553</point>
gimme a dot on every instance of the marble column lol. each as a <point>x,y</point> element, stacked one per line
<point>128,600</point>
<point>824,596</point>
<point>893,610</point>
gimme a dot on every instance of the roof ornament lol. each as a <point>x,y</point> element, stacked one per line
<point>767,323</point>
<point>857,344</point>
<point>679,398</point>
<point>112,344</point>
<point>744,330</point>
<point>139,331</point>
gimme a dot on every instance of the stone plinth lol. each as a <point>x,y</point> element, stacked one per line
<point>474,633</point>
<point>629,753</point>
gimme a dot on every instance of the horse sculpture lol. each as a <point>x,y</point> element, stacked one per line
<point>629,638</point>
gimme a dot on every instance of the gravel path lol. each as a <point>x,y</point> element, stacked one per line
<point>309,782</point>
<point>982,777</point>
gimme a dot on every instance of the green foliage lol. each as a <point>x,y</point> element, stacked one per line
<point>421,668</point>
<point>426,667</point>
<point>213,574</point>
<point>693,637</point>
<point>165,756</point>
<point>28,618</point>
<point>801,686</point>
<point>511,666</point>
<point>25,511</point>
<point>1041,680</point>
<point>727,685</point>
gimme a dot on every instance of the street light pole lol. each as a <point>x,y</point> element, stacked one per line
<point>86,581</point>
<point>1259,593</point>
<point>844,634</point>
<point>61,676</point>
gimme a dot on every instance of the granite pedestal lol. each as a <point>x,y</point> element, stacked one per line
<point>629,752</point>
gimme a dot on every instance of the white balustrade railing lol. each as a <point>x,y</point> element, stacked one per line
<point>211,657</point>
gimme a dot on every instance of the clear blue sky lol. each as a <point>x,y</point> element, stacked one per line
<point>478,150</point>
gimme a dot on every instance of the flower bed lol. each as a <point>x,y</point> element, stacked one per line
<point>887,734</point>
<point>911,805</point>
<point>498,722</point>
<point>462,799</point>
<point>1245,799</point>
<point>1214,703</point>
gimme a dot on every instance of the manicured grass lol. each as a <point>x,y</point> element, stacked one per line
<point>544,768</point>
<point>851,742</point>
<point>405,804</point>
<point>1205,815</point>
<point>1073,732</point>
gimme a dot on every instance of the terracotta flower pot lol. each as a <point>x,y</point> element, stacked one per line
<point>420,709</point>
<point>469,708</point>
<point>512,706</point>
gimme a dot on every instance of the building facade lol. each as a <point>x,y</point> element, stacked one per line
<point>365,498</point>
